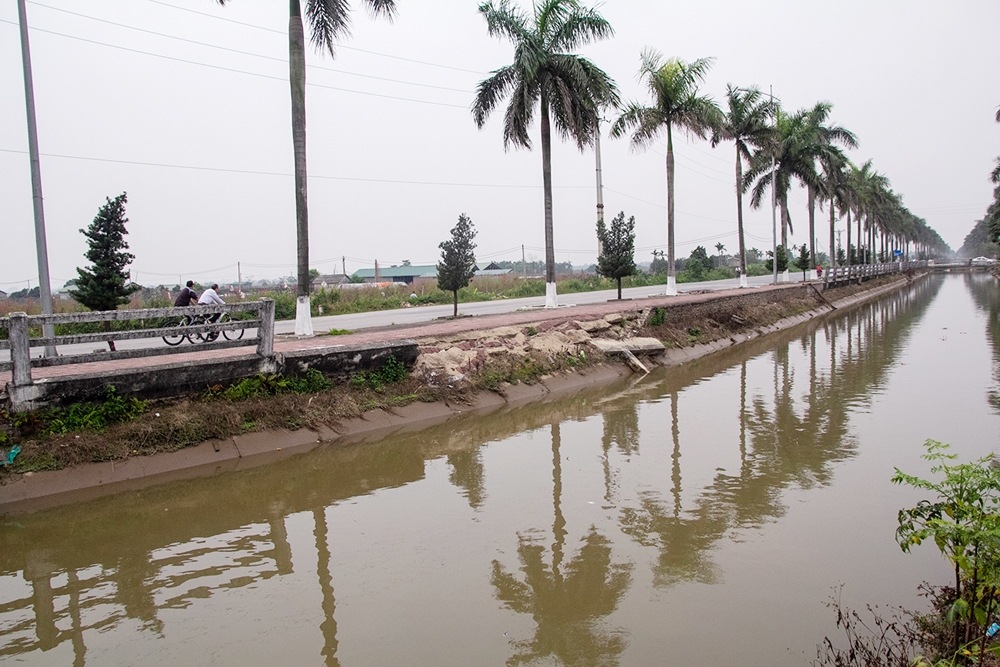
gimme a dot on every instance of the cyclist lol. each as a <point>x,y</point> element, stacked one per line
<point>210,296</point>
<point>186,296</point>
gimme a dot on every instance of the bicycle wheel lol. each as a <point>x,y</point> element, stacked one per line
<point>235,334</point>
<point>176,339</point>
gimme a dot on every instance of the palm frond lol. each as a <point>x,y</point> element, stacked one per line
<point>490,91</point>
<point>580,28</point>
<point>329,20</point>
<point>518,115</point>
<point>503,20</point>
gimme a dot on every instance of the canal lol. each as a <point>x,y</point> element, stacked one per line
<point>703,515</point>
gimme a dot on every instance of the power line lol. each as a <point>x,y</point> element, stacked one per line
<point>248,53</point>
<point>339,46</point>
<point>288,175</point>
<point>237,71</point>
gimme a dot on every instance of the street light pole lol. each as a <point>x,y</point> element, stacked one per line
<point>44,291</point>
<point>600,185</point>
<point>774,204</point>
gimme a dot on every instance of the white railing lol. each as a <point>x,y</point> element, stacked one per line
<point>861,272</point>
<point>19,341</point>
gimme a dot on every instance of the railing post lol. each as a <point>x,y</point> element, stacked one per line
<point>20,350</point>
<point>265,334</point>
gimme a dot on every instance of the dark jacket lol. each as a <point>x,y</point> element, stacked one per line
<point>186,297</point>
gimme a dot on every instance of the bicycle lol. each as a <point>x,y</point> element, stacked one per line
<point>195,338</point>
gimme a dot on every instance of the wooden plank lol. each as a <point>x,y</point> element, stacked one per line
<point>145,333</point>
<point>43,362</point>
<point>141,313</point>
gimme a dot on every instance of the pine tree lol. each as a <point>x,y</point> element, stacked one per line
<point>803,261</point>
<point>618,244</point>
<point>458,262</point>
<point>105,284</point>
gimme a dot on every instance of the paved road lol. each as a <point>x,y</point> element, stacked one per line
<point>422,314</point>
<point>383,318</point>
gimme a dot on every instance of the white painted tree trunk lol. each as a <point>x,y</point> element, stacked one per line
<point>303,320</point>
<point>671,285</point>
<point>550,295</point>
<point>743,280</point>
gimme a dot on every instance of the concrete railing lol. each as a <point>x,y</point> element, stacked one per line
<point>19,342</point>
<point>838,275</point>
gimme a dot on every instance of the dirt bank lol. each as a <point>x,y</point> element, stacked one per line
<point>455,372</point>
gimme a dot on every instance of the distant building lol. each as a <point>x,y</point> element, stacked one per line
<point>492,269</point>
<point>398,274</point>
<point>3,295</point>
<point>329,280</point>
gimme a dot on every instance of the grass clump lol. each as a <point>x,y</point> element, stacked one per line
<point>91,416</point>
<point>392,371</point>
<point>311,382</point>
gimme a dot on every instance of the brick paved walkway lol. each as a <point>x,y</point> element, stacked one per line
<point>383,334</point>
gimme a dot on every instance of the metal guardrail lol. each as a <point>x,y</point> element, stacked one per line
<point>20,342</point>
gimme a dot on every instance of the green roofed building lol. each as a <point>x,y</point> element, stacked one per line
<point>407,274</point>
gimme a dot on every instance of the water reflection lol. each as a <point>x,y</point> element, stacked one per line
<point>119,563</point>
<point>794,437</point>
<point>567,603</point>
<point>985,291</point>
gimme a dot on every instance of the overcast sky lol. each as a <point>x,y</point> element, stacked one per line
<point>185,105</point>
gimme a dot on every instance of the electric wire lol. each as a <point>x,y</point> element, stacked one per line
<point>237,71</point>
<point>339,46</point>
<point>248,53</point>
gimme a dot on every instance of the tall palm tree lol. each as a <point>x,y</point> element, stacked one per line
<point>821,139</point>
<point>676,103</point>
<point>329,20</point>
<point>746,123</point>
<point>870,188</point>
<point>834,188</point>
<point>567,88</point>
<point>792,154</point>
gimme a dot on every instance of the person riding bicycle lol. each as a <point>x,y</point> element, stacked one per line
<point>210,296</point>
<point>186,296</point>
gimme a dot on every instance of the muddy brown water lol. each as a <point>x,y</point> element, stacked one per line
<point>701,516</point>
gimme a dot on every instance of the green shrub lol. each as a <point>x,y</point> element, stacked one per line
<point>114,409</point>
<point>658,317</point>
<point>392,371</point>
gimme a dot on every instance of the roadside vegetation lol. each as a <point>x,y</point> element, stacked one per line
<point>961,517</point>
<point>423,292</point>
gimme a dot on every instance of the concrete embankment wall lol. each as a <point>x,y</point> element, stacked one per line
<point>178,379</point>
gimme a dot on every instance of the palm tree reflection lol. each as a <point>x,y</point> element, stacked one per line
<point>566,602</point>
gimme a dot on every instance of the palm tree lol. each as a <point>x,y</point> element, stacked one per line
<point>676,103</point>
<point>329,21</point>
<point>822,138</point>
<point>870,189</point>
<point>567,88</point>
<point>746,124</point>
<point>834,188</point>
<point>791,153</point>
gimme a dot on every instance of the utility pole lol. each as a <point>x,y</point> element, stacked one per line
<point>239,277</point>
<point>343,261</point>
<point>774,206</point>
<point>44,291</point>
<point>600,185</point>
<point>524,266</point>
